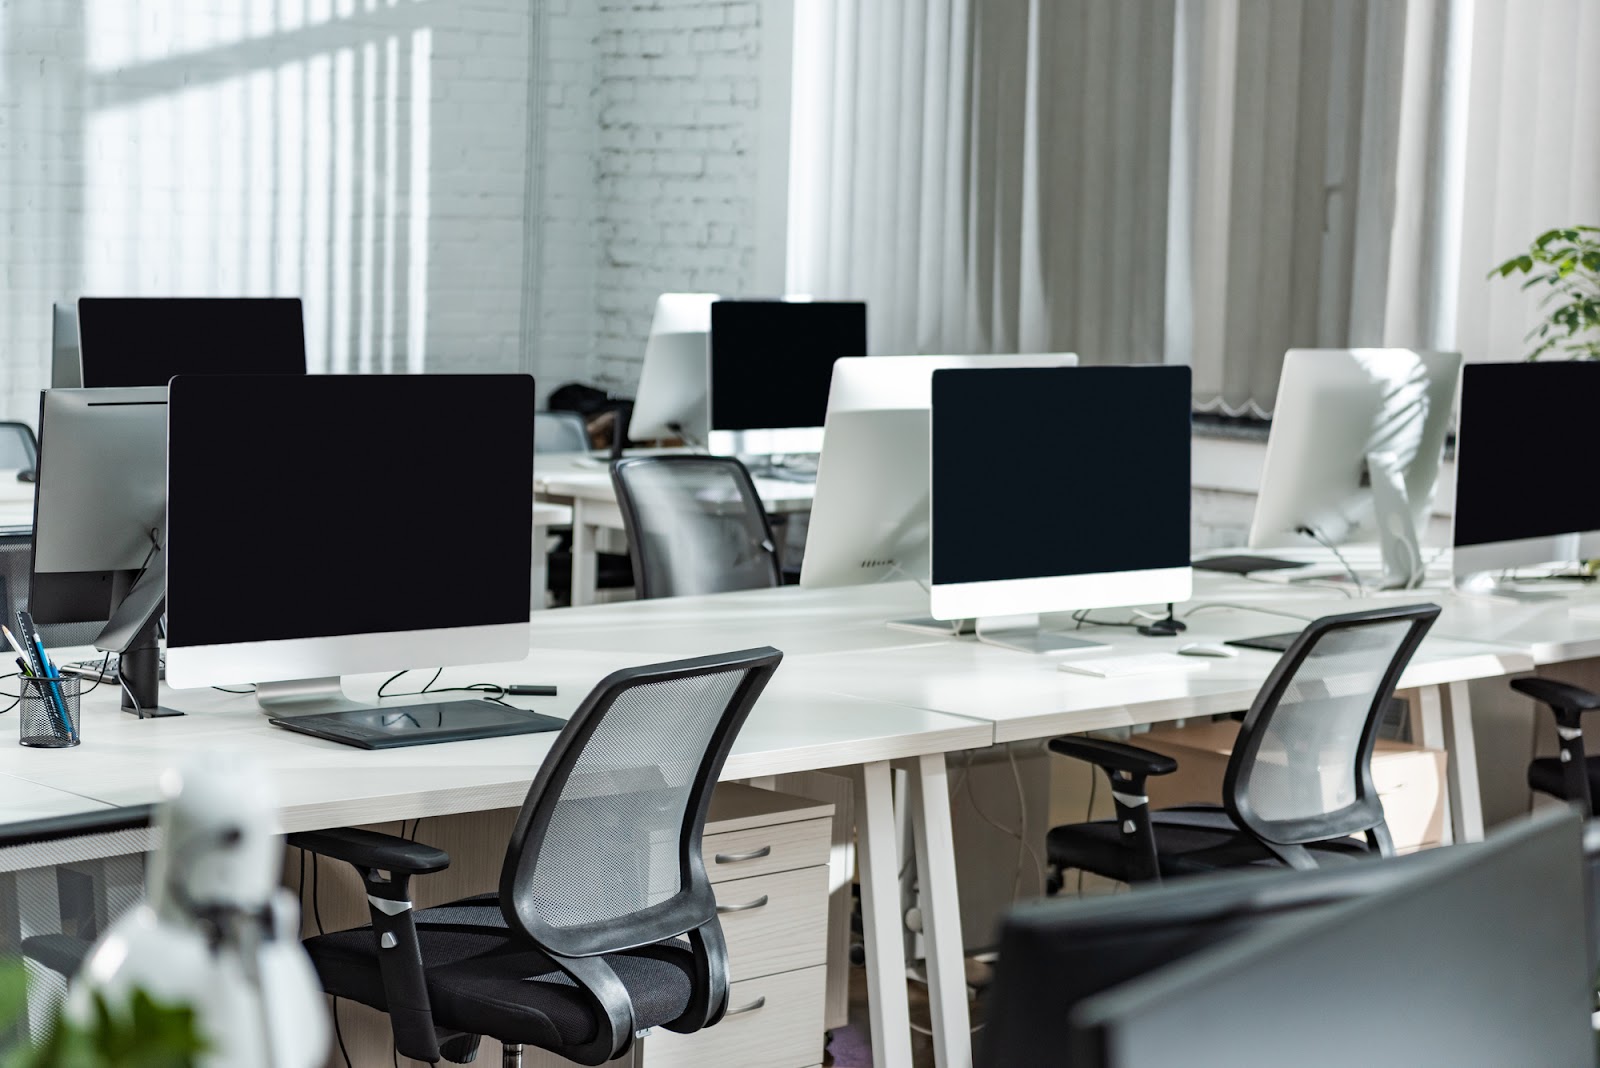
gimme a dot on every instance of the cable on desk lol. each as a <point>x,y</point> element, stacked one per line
<point>1204,606</point>
<point>1311,533</point>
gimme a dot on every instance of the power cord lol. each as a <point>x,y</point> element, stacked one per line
<point>498,691</point>
<point>1337,555</point>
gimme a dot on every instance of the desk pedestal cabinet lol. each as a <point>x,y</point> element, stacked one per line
<point>767,855</point>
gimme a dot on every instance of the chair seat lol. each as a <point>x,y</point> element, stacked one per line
<point>483,980</point>
<point>1545,774</point>
<point>1189,841</point>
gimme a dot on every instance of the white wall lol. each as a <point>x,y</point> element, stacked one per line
<point>369,156</point>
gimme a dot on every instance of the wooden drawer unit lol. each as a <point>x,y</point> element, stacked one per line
<point>754,851</point>
<point>772,1022</point>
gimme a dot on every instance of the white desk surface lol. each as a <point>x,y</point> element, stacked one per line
<point>23,800</point>
<point>794,727</point>
<point>579,476</point>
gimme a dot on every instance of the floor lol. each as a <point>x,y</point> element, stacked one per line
<point>851,1046</point>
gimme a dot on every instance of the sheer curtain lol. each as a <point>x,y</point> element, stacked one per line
<point>1201,181</point>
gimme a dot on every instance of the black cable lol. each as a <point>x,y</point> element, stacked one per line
<point>1082,616</point>
<point>338,1033</point>
<point>224,689</point>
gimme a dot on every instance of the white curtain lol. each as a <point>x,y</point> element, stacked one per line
<point>1201,181</point>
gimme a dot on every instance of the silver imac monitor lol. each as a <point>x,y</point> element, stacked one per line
<point>1522,498</point>
<point>771,365</point>
<point>1357,438</point>
<point>869,519</point>
<point>1045,498</point>
<point>671,397</point>
<point>291,558</point>
<point>64,370</point>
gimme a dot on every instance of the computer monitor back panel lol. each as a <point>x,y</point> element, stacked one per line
<point>1057,489</point>
<point>1482,961</point>
<point>100,498</point>
<point>1522,497</point>
<point>64,370</point>
<point>869,518</point>
<point>309,562</point>
<point>771,364</point>
<point>145,341</point>
<point>671,397</point>
<point>1334,409</point>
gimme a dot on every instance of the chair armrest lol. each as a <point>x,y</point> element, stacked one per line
<point>1561,696</point>
<point>371,849</point>
<point>1114,756</point>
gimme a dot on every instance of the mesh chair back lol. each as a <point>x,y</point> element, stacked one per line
<point>19,449</point>
<point>16,566</point>
<point>560,432</point>
<point>695,525</point>
<point>1302,768</point>
<point>605,855</point>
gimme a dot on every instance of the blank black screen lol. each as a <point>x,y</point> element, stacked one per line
<point>145,341</point>
<point>772,360</point>
<point>314,506</point>
<point>1522,452</point>
<point>1039,472</point>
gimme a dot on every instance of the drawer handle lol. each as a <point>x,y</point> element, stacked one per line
<point>746,907</point>
<point>734,858</point>
<point>752,1007</point>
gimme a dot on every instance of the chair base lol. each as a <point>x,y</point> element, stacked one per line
<point>511,1056</point>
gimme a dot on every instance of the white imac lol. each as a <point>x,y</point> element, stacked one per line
<point>1058,489</point>
<point>1523,497</point>
<point>65,373</point>
<point>771,365</point>
<point>869,519</point>
<point>1357,438</point>
<point>671,398</point>
<point>292,555</point>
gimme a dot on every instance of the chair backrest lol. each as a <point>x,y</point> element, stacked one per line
<point>1301,770</point>
<point>695,525</point>
<point>16,567</point>
<point>19,449</point>
<point>605,855</point>
<point>560,432</point>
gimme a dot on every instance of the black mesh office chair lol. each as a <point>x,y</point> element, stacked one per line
<point>695,525</point>
<point>604,924</point>
<point>1299,782</point>
<point>560,432</point>
<point>1572,776</point>
<point>19,449</point>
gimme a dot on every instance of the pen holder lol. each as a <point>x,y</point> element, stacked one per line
<point>40,711</point>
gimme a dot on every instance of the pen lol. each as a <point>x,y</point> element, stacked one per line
<point>55,687</point>
<point>22,668</point>
<point>34,650</point>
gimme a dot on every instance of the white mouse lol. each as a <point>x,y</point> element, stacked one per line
<point>1207,649</point>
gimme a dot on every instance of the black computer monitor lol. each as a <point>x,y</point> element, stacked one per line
<point>771,364</point>
<point>1475,954</point>
<point>1520,498</point>
<point>295,549</point>
<point>145,341</point>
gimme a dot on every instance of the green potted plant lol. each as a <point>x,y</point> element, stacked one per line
<point>1567,262</point>
<point>141,1034</point>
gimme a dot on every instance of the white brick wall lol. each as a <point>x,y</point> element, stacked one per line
<point>368,155</point>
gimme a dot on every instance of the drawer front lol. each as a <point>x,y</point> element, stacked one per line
<point>764,850</point>
<point>775,923</point>
<point>780,1027</point>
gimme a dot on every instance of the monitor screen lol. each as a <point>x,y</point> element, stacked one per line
<point>1523,428</point>
<point>317,506</point>
<point>772,360</point>
<point>146,341</point>
<point>1045,472</point>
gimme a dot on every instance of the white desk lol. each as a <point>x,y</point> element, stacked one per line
<point>583,483</point>
<point>21,800</point>
<point>794,727</point>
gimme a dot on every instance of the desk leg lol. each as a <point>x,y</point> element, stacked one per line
<point>1466,802</point>
<point>941,912</point>
<point>585,563</point>
<point>887,1004</point>
<point>539,592</point>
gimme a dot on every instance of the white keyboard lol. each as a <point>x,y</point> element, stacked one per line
<point>1122,667</point>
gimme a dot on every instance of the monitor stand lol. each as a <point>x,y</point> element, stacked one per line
<point>1490,584</point>
<point>1403,568</point>
<point>310,697</point>
<point>1026,634</point>
<point>131,634</point>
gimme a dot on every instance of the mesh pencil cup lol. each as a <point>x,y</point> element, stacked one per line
<point>48,711</point>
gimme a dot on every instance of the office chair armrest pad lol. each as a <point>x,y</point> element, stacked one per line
<point>370,849</point>
<point>1562,696</point>
<point>1114,756</point>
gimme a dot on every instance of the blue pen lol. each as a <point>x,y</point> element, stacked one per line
<point>55,691</point>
